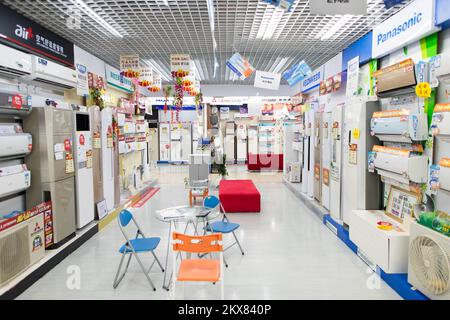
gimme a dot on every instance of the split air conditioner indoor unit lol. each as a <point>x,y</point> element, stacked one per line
<point>401,165</point>
<point>442,68</point>
<point>399,126</point>
<point>397,79</point>
<point>14,104</point>
<point>14,145</point>
<point>441,120</point>
<point>14,63</point>
<point>14,179</point>
<point>51,73</point>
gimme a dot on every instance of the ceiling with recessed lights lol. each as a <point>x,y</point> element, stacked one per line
<point>209,30</point>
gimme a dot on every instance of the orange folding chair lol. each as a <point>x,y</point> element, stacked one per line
<point>198,270</point>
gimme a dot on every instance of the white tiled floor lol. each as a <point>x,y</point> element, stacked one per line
<point>290,254</point>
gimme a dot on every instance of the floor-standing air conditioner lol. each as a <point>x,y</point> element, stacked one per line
<point>108,158</point>
<point>52,166</point>
<point>20,247</point>
<point>97,163</point>
<point>84,176</point>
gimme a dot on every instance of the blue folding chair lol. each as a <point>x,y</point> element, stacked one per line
<point>224,226</point>
<point>141,244</point>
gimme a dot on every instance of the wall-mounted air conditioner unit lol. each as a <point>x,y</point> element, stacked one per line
<point>20,247</point>
<point>15,145</point>
<point>51,73</point>
<point>397,79</point>
<point>444,175</point>
<point>14,104</point>
<point>442,68</point>
<point>441,120</point>
<point>399,126</point>
<point>14,63</point>
<point>429,262</point>
<point>401,165</point>
<point>14,179</point>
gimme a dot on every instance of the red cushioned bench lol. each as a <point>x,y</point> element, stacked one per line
<point>239,196</point>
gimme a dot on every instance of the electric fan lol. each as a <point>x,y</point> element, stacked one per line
<point>429,262</point>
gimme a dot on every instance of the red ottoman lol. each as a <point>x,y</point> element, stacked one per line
<point>239,196</point>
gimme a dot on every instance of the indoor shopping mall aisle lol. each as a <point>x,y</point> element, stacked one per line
<point>289,255</point>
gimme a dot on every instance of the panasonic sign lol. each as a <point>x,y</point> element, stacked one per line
<point>414,22</point>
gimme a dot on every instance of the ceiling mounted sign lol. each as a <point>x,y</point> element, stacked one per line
<point>146,77</point>
<point>267,80</point>
<point>129,66</point>
<point>285,5</point>
<point>414,22</point>
<point>16,30</point>
<point>297,73</point>
<point>240,66</point>
<point>180,65</point>
<point>335,7</point>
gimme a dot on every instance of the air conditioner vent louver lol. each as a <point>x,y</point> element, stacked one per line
<point>52,83</point>
<point>14,253</point>
<point>11,72</point>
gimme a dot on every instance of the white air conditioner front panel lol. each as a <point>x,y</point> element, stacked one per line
<point>52,73</point>
<point>15,145</point>
<point>412,168</point>
<point>441,123</point>
<point>14,183</point>
<point>444,178</point>
<point>14,62</point>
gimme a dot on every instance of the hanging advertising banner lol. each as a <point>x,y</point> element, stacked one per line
<point>82,84</point>
<point>156,83</point>
<point>352,77</point>
<point>285,5</point>
<point>313,81</point>
<point>390,3</point>
<point>180,65</point>
<point>116,80</point>
<point>240,66</point>
<point>16,30</point>
<point>297,73</point>
<point>267,80</point>
<point>96,81</point>
<point>414,22</point>
<point>356,7</point>
<point>146,77</point>
<point>130,66</point>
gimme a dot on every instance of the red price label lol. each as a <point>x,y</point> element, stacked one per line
<point>17,102</point>
<point>82,140</point>
<point>67,145</point>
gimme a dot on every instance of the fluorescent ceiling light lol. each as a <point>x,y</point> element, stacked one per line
<point>279,65</point>
<point>199,69</point>
<point>96,17</point>
<point>156,67</point>
<point>336,27</point>
<point>210,4</point>
<point>166,2</point>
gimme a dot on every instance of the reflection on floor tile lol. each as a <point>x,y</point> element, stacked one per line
<point>290,254</point>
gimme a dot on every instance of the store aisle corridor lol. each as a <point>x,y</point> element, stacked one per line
<point>290,254</point>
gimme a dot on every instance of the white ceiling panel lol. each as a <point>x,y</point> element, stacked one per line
<point>156,28</point>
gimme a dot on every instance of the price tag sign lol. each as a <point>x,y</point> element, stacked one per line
<point>70,168</point>
<point>97,142</point>
<point>89,159</point>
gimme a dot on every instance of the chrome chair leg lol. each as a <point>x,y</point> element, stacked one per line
<point>238,243</point>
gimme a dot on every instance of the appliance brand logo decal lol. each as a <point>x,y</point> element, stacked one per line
<point>24,33</point>
<point>411,23</point>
